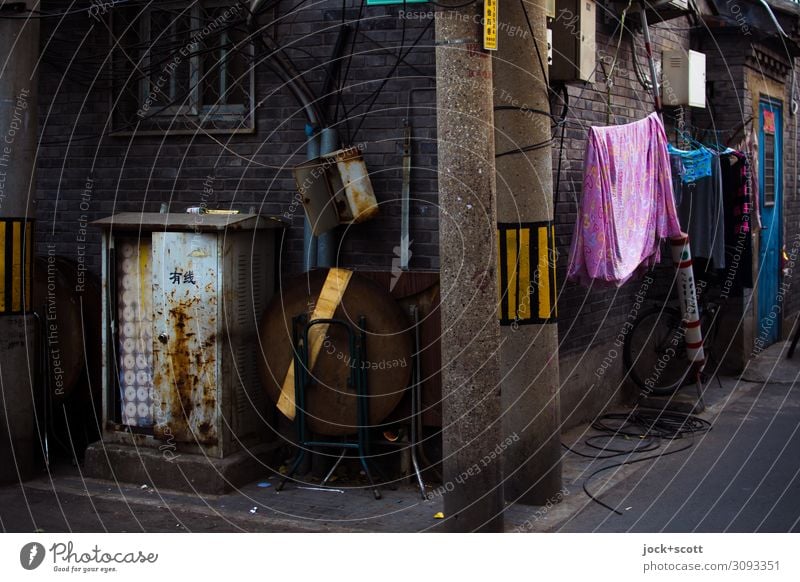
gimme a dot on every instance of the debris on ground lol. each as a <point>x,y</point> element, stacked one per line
<point>322,489</point>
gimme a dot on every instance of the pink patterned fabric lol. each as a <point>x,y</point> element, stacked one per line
<point>627,205</point>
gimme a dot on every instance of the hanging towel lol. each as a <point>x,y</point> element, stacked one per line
<point>695,164</point>
<point>627,205</point>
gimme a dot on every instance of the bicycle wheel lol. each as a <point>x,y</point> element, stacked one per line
<point>655,352</point>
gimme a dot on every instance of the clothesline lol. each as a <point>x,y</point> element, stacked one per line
<point>639,189</point>
<point>702,132</point>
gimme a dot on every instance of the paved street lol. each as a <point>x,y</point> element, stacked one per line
<point>741,476</point>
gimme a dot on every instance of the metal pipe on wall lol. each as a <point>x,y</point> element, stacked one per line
<point>309,240</point>
<point>328,242</point>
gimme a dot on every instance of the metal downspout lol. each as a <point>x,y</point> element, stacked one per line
<point>328,242</point>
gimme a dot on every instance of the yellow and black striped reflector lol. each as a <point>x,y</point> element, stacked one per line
<point>16,257</point>
<point>527,275</point>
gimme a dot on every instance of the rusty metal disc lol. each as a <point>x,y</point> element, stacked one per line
<point>330,399</point>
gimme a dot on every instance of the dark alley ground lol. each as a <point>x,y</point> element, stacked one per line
<point>742,476</point>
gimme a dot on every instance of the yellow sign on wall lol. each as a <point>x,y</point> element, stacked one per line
<point>16,262</point>
<point>490,25</point>
<point>526,274</point>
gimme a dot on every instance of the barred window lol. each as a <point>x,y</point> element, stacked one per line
<point>769,169</point>
<point>181,68</point>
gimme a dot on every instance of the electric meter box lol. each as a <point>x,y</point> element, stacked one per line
<point>683,78</point>
<point>335,189</point>
<point>574,49</point>
<point>182,299</point>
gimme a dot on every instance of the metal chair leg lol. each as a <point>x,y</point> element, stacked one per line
<point>364,464</point>
<point>295,465</point>
<point>416,403</point>
<point>335,465</point>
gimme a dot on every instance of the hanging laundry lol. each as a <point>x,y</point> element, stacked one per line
<point>694,164</point>
<point>699,201</point>
<point>749,147</point>
<point>627,205</point>
<point>738,217</point>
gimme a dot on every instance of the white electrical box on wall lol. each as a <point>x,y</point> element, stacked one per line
<point>574,49</point>
<point>683,78</point>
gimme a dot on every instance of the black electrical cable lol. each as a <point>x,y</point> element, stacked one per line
<point>343,80</point>
<point>533,39</point>
<point>528,148</point>
<point>603,443</point>
<point>147,71</point>
<point>640,446</point>
<point>558,122</point>
<point>387,49</point>
<point>622,464</point>
<point>153,65</point>
<point>644,80</point>
<point>561,146</point>
<point>647,428</point>
<point>525,149</point>
<point>523,110</point>
<point>386,79</point>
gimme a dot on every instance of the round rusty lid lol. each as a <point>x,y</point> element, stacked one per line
<point>330,396</point>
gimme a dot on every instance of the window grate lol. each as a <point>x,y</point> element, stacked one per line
<point>769,169</point>
<point>181,69</point>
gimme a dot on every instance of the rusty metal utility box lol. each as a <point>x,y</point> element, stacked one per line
<point>335,189</point>
<point>183,294</point>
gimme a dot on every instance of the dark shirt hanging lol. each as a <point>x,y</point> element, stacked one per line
<point>738,229</point>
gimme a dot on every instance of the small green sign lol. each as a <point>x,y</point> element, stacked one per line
<point>393,2</point>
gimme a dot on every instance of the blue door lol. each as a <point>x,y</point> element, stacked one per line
<point>770,192</point>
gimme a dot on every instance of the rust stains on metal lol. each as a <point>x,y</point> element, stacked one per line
<point>192,362</point>
<point>364,205</point>
<point>357,185</point>
<point>186,360</point>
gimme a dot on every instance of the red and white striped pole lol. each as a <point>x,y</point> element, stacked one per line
<point>687,293</point>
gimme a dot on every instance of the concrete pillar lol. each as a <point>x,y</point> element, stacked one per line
<point>529,336</point>
<point>473,496</point>
<point>19,51</point>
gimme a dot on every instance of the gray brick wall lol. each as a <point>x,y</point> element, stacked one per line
<point>140,173</point>
<point>134,174</point>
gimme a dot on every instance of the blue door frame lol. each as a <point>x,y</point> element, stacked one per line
<point>770,202</point>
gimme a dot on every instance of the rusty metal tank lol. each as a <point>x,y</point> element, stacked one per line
<point>331,402</point>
